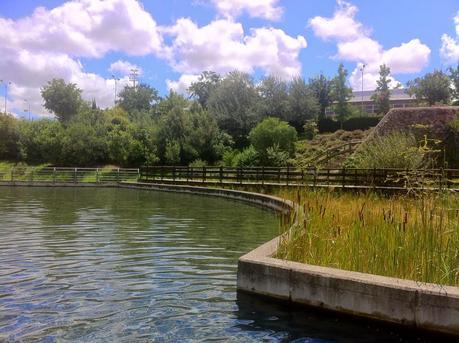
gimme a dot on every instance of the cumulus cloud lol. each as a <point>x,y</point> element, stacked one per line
<point>355,44</point>
<point>449,50</point>
<point>85,28</point>
<point>223,46</point>
<point>124,67</point>
<point>342,26</point>
<point>48,43</point>
<point>182,84</point>
<point>267,9</point>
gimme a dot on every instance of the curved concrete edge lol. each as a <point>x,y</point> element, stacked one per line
<point>427,306</point>
<point>274,203</point>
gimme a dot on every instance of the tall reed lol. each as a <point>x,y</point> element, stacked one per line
<point>414,238</point>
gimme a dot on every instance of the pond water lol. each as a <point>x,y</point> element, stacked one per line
<point>118,265</point>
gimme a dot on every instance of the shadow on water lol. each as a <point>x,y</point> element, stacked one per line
<point>305,324</point>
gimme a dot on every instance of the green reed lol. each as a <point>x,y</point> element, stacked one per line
<point>414,238</point>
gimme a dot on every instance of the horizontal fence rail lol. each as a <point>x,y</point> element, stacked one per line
<point>377,178</point>
<point>68,175</point>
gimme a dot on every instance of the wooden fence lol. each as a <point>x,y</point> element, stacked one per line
<point>68,175</point>
<point>378,178</point>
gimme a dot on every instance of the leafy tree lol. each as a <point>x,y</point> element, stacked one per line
<point>321,87</point>
<point>433,88</point>
<point>138,99</point>
<point>9,133</point>
<point>201,90</point>
<point>381,96</point>
<point>275,134</point>
<point>233,104</point>
<point>41,141</point>
<point>273,98</point>
<point>341,94</point>
<point>62,99</point>
<point>454,76</point>
<point>302,105</point>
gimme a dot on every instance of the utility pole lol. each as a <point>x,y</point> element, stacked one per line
<point>116,87</point>
<point>6,84</point>
<point>28,107</point>
<point>134,76</point>
<point>362,69</point>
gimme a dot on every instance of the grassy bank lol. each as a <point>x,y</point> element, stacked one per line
<point>408,238</point>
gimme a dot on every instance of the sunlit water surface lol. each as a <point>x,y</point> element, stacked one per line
<point>116,265</point>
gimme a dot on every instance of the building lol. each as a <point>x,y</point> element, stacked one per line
<point>398,99</point>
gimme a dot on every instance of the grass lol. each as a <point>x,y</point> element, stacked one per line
<point>402,237</point>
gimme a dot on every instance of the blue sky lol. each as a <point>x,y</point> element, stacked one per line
<point>172,41</point>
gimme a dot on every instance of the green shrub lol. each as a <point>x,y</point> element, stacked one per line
<point>270,133</point>
<point>310,129</point>
<point>396,150</point>
<point>246,158</point>
<point>452,144</point>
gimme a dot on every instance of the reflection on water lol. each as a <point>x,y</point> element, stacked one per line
<point>128,265</point>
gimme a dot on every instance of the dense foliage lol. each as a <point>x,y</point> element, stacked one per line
<point>228,120</point>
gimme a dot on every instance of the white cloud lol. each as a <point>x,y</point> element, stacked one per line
<point>342,26</point>
<point>124,67</point>
<point>266,9</point>
<point>407,58</point>
<point>46,45</point>
<point>85,28</point>
<point>355,44</point>
<point>449,50</point>
<point>222,46</point>
<point>182,84</point>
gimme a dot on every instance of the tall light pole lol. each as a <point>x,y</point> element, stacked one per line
<point>116,87</point>
<point>362,69</point>
<point>28,107</point>
<point>6,84</point>
<point>134,75</point>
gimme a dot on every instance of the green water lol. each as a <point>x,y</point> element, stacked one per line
<point>118,265</point>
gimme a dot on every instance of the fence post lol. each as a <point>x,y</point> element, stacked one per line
<point>97,175</point>
<point>173,173</point>
<point>203,174</point>
<point>288,174</point>
<point>344,177</point>
<point>187,174</point>
<point>118,175</point>
<point>74,175</point>
<point>54,175</point>
<point>262,175</point>
<point>315,178</point>
<point>278,175</point>
<point>221,175</point>
<point>12,174</point>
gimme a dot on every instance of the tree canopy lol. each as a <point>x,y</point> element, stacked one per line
<point>433,88</point>
<point>62,99</point>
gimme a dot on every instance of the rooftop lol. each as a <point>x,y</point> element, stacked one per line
<point>396,94</point>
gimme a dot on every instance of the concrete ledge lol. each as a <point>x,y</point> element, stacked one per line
<point>267,201</point>
<point>427,306</point>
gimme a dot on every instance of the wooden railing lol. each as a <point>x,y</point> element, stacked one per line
<point>325,156</point>
<point>68,175</point>
<point>377,178</point>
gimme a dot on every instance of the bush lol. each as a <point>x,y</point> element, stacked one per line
<point>452,144</point>
<point>396,150</point>
<point>351,124</point>
<point>270,133</point>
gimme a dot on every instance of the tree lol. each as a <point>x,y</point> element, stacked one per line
<point>138,99</point>
<point>233,104</point>
<point>9,133</point>
<point>433,88</point>
<point>272,136</point>
<point>381,96</point>
<point>273,98</point>
<point>62,99</point>
<point>341,94</point>
<point>321,87</point>
<point>454,77</point>
<point>206,84</point>
<point>302,105</point>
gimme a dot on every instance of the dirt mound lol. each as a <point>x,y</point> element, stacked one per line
<point>434,120</point>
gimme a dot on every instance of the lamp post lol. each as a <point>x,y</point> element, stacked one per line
<point>6,84</point>
<point>362,69</point>
<point>116,86</point>
<point>28,107</point>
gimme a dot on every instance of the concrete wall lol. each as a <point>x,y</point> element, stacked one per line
<point>427,306</point>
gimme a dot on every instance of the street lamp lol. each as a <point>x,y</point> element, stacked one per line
<point>28,107</point>
<point>6,84</point>
<point>116,84</point>
<point>362,69</point>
